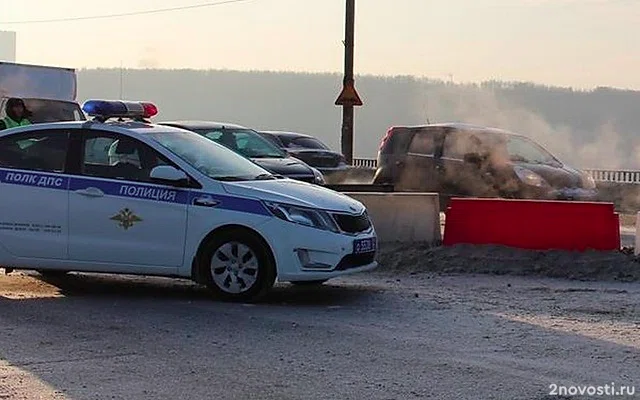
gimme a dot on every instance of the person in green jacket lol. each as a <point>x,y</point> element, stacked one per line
<point>17,114</point>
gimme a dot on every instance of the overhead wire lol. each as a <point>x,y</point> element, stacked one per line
<point>127,14</point>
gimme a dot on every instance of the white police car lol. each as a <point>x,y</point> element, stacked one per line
<point>127,196</point>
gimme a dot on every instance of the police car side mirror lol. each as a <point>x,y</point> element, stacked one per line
<point>169,175</point>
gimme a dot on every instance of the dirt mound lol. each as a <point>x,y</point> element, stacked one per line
<point>498,260</point>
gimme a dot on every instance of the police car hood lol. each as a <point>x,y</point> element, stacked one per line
<point>293,192</point>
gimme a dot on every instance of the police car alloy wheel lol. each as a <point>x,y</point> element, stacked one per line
<point>237,265</point>
<point>234,267</point>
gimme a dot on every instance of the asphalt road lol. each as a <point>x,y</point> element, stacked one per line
<point>372,336</point>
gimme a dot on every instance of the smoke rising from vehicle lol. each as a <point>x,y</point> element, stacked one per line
<point>149,58</point>
<point>601,146</point>
<point>472,104</point>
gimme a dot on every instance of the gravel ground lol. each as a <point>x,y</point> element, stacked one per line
<point>425,325</point>
<point>616,266</point>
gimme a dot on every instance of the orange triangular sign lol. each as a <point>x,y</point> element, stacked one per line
<point>348,97</point>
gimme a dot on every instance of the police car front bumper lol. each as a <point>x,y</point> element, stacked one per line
<point>306,254</point>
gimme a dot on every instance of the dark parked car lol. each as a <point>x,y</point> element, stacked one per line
<point>310,150</point>
<point>254,146</point>
<point>468,160</point>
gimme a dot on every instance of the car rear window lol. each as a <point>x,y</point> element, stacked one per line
<point>458,143</point>
<point>423,143</point>
<point>272,138</point>
<point>307,143</point>
<point>244,141</point>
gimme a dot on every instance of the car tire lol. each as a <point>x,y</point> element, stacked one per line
<point>237,265</point>
<point>309,283</point>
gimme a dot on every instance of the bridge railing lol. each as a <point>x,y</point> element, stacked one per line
<point>599,175</point>
<point>368,163</point>
<point>616,176</point>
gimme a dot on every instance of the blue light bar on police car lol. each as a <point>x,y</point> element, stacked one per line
<point>119,108</point>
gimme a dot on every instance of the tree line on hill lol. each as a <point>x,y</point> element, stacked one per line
<point>594,128</point>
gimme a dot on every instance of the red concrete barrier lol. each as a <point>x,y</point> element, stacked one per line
<point>531,224</point>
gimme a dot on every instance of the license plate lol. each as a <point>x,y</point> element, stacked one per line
<point>367,245</point>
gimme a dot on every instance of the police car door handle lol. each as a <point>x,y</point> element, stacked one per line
<point>205,201</point>
<point>91,192</point>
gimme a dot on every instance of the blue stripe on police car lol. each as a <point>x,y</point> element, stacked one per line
<point>177,196</point>
<point>228,203</point>
<point>133,190</point>
<point>138,191</point>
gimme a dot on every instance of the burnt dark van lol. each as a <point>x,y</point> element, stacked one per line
<point>463,160</point>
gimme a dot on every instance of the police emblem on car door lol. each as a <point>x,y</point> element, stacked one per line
<point>126,218</point>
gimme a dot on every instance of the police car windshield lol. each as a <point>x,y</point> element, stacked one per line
<point>210,158</point>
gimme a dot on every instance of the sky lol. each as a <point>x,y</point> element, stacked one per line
<point>577,43</point>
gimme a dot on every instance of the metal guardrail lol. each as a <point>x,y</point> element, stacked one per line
<point>367,163</point>
<point>615,176</point>
<point>599,175</point>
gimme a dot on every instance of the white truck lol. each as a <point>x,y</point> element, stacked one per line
<point>48,92</point>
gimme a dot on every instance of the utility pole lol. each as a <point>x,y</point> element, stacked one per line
<point>348,97</point>
<point>121,80</point>
<point>347,109</point>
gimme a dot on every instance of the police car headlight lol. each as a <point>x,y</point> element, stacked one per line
<point>318,177</point>
<point>303,216</point>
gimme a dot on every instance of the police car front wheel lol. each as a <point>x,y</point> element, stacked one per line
<point>237,265</point>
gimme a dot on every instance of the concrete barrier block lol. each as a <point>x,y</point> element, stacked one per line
<point>408,217</point>
<point>541,225</point>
